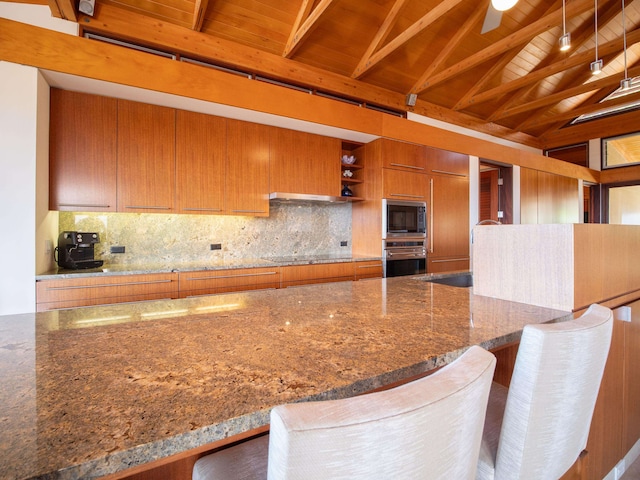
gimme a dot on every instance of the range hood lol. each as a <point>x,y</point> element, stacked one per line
<point>303,197</point>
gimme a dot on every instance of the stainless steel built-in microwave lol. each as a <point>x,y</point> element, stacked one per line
<point>404,219</point>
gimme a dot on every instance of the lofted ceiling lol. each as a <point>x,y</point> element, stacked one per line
<point>512,81</point>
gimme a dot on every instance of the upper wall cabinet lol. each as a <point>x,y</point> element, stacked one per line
<point>247,184</point>
<point>201,150</point>
<point>443,162</point>
<point>402,156</point>
<point>397,185</point>
<point>304,163</point>
<point>82,152</point>
<point>146,157</point>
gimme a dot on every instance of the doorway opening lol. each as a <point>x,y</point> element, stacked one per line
<point>495,192</point>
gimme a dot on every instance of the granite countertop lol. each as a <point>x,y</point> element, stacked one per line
<point>92,391</point>
<point>226,264</point>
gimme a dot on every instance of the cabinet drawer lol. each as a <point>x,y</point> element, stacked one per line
<point>369,269</point>
<point>209,282</point>
<point>447,264</point>
<point>318,273</point>
<point>82,292</point>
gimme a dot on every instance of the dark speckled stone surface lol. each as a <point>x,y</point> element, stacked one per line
<point>92,391</point>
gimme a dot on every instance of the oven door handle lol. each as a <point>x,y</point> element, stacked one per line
<point>403,255</point>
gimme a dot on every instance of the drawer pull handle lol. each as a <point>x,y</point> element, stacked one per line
<point>153,207</point>
<point>370,266</point>
<point>83,205</point>
<point>103,285</point>
<point>232,276</point>
<point>449,173</point>
<point>406,166</point>
<point>202,209</point>
<point>450,260</point>
<point>248,211</point>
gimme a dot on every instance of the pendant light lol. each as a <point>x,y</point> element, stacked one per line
<point>596,66</point>
<point>502,5</point>
<point>625,83</point>
<point>565,39</point>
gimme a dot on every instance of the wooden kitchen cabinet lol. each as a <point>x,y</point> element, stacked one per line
<point>146,158</point>
<point>444,162</point>
<point>448,224</point>
<point>304,163</point>
<point>82,152</point>
<point>208,282</point>
<point>247,182</point>
<point>402,156</point>
<point>101,290</point>
<point>201,157</point>
<point>401,185</point>
<point>292,275</point>
<point>368,269</point>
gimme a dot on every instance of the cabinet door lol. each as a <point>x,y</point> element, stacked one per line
<point>247,187</point>
<point>399,185</point>
<point>304,163</point>
<point>448,212</point>
<point>402,156</point>
<point>444,162</point>
<point>292,275</point>
<point>82,156</point>
<point>201,146</point>
<point>146,158</point>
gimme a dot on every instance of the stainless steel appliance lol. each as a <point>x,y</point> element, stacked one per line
<point>401,219</point>
<point>404,257</point>
<point>75,250</point>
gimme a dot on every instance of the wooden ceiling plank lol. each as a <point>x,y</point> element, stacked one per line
<point>308,25</point>
<point>431,16</point>
<point>452,44</point>
<point>565,64</point>
<point>199,10</point>
<point>581,36</point>
<point>380,35</point>
<point>520,37</point>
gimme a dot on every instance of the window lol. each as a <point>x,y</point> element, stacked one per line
<point>621,151</point>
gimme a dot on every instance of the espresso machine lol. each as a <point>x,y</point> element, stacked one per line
<point>75,250</point>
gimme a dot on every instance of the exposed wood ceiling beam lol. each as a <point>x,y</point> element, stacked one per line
<point>580,36</point>
<point>511,41</point>
<point>300,32</point>
<point>116,22</point>
<point>605,82</point>
<point>452,44</point>
<point>381,34</point>
<point>564,64</point>
<point>576,112</point>
<point>63,9</point>
<point>434,14</point>
<point>199,10</point>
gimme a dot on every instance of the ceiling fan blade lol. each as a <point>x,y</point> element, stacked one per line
<point>492,19</point>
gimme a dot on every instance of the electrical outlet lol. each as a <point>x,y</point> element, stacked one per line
<point>48,247</point>
<point>215,246</point>
<point>117,249</point>
<point>344,243</point>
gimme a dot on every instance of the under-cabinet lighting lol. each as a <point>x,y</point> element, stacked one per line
<point>164,313</point>
<point>103,319</point>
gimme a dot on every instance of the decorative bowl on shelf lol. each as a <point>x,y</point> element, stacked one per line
<point>348,159</point>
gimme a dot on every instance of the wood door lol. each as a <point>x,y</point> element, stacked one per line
<point>247,185</point>
<point>201,147</point>
<point>304,163</point>
<point>402,156</point>
<point>82,155</point>
<point>631,376</point>
<point>400,185</point>
<point>448,214</point>
<point>146,158</point>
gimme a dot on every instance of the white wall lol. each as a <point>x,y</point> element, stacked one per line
<point>19,140</point>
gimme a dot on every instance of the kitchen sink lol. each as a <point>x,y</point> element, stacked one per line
<point>465,280</point>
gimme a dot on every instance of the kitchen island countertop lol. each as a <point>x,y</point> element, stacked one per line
<point>93,391</point>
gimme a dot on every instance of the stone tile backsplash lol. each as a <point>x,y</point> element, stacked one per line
<point>150,238</point>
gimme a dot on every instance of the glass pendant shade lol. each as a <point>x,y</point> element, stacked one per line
<point>502,5</point>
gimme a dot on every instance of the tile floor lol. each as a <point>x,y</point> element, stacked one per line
<point>633,472</point>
